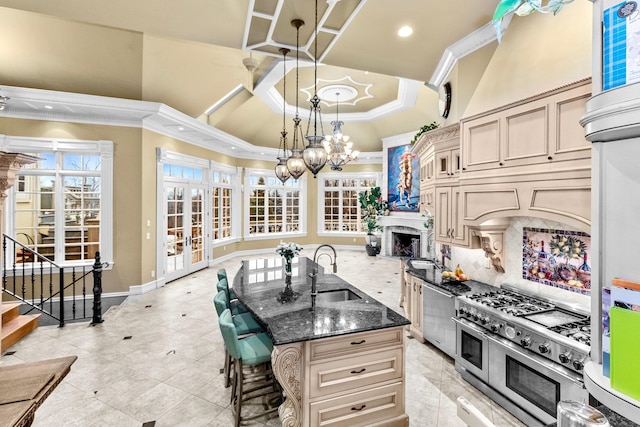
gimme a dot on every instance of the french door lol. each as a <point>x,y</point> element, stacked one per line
<point>184,222</point>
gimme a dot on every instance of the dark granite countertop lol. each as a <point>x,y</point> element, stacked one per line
<point>259,284</point>
<point>615,419</point>
<point>433,276</point>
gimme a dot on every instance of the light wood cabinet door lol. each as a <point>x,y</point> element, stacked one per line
<point>349,344</point>
<point>360,409</point>
<point>355,372</point>
<point>543,130</point>
<point>449,219</point>
<point>481,143</point>
<point>416,308</point>
<point>447,164</point>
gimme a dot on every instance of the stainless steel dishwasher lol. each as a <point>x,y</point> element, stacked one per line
<point>437,326</point>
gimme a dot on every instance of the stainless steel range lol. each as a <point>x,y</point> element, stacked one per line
<point>525,352</point>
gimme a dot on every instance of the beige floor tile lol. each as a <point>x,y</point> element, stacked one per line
<point>169,371</point>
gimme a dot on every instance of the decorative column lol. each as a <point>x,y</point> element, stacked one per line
<point>287,361</point>
<point>10,164</point>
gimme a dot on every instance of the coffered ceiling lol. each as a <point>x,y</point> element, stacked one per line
<point>358,49</point>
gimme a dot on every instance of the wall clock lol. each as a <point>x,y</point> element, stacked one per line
<point>444,99</point>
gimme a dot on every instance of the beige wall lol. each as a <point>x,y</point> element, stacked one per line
<point>50,53</point>
<point>538,52</point>
<point>127,196</point>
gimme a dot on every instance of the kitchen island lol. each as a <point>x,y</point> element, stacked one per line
<point>339,356</point>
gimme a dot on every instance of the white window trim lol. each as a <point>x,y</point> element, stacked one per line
<point>18,144</point>
<point>321,189</point>
<point>236,201</point>
<point>303,207</point>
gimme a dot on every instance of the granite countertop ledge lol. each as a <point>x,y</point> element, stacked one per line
<point>259,283</point>
<point>433,276</point>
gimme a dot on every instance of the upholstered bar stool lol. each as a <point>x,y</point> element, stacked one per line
<point>234,304</point>
<point>245,324</point>
<point>222,274</point>
<point>253,351</point>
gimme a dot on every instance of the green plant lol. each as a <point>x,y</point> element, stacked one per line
<point>371,206</point>
<point>424,129</point>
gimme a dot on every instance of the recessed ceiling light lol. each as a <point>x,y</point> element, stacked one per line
<point>262,154</point>
<point>180,128</point>
<point>48,107</point>
<point>233,148</point>
<point>405,31</point>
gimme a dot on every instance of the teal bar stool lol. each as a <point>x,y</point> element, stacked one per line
<point>245,324</point>
<point>234,304</point>
<point>222,274</point>
<point>252,352</point>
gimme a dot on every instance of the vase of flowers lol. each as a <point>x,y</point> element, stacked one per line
<point>288,251</point>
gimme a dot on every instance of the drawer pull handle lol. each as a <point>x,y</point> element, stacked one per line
<point>359,409</point>
<point>359,372</point>
<point>358,342</point>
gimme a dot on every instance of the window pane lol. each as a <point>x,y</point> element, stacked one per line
<point>81,217</point>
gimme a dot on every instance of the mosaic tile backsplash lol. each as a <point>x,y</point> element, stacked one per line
<point>473,262</point>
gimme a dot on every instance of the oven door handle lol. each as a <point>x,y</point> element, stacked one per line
<point>547,364</point>
<point>471,326</point>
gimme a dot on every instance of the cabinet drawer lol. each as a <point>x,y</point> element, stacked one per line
<point>349,373</point>
<point>360,409</point>
<point>348,344</point>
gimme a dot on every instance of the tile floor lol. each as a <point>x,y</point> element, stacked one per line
<point>168,372</point>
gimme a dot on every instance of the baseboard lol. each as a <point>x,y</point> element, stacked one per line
<point>146,287</point>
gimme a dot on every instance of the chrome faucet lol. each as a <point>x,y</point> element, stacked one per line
<point>314,272</point>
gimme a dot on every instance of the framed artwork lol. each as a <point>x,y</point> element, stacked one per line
<point>557,258</point>
<point>403,179</point>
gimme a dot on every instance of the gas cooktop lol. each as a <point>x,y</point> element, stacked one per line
<point>557,331</point>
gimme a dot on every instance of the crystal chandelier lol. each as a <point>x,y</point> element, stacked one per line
<point>282,171</point>
<point>337,145</point>
<point>295,162</point>
<point>315,156</point>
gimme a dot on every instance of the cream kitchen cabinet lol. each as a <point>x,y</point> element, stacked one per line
<point>447,164</point>
<point>427,168</point>
<point>427,198</point>
<point>449,220</point>
<point>357,380</point>
<point>541,130</point>
<point>412,303</point>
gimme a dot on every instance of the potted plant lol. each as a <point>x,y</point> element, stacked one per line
<point>372,205</point>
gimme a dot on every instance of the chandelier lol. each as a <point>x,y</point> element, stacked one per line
<point>295,162</point>
<point>282,171</point>
<point>315,155</point>
<point>337,145</point>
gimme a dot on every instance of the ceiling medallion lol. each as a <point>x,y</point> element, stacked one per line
<point>346,84</point>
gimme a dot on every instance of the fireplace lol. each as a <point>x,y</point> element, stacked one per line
<point>404,236</point>
<point>405,245</point>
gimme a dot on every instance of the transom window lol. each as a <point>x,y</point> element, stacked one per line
<point>338,201</point>
<point>273,207</point>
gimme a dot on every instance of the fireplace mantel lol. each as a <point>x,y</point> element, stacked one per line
<point>406,222</point>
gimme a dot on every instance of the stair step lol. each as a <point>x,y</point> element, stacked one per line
<point>9,311</point>
<point>18,328</point>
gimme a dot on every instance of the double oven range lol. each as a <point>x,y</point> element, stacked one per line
<point>525,352</point>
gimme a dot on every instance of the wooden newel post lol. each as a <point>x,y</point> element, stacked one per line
<point>97,290</point>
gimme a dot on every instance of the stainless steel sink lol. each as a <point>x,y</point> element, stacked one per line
<point>421,264</point>
<point>337,295</point>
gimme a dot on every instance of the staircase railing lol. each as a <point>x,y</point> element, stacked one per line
<point>40,283</point>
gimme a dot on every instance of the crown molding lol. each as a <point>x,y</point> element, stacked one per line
<point>28,103</point>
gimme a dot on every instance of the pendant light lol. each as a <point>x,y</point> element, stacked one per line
<point>339,148</point>
<point>315,155</point>
<point>295,162</point>
<point>282,171</point>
